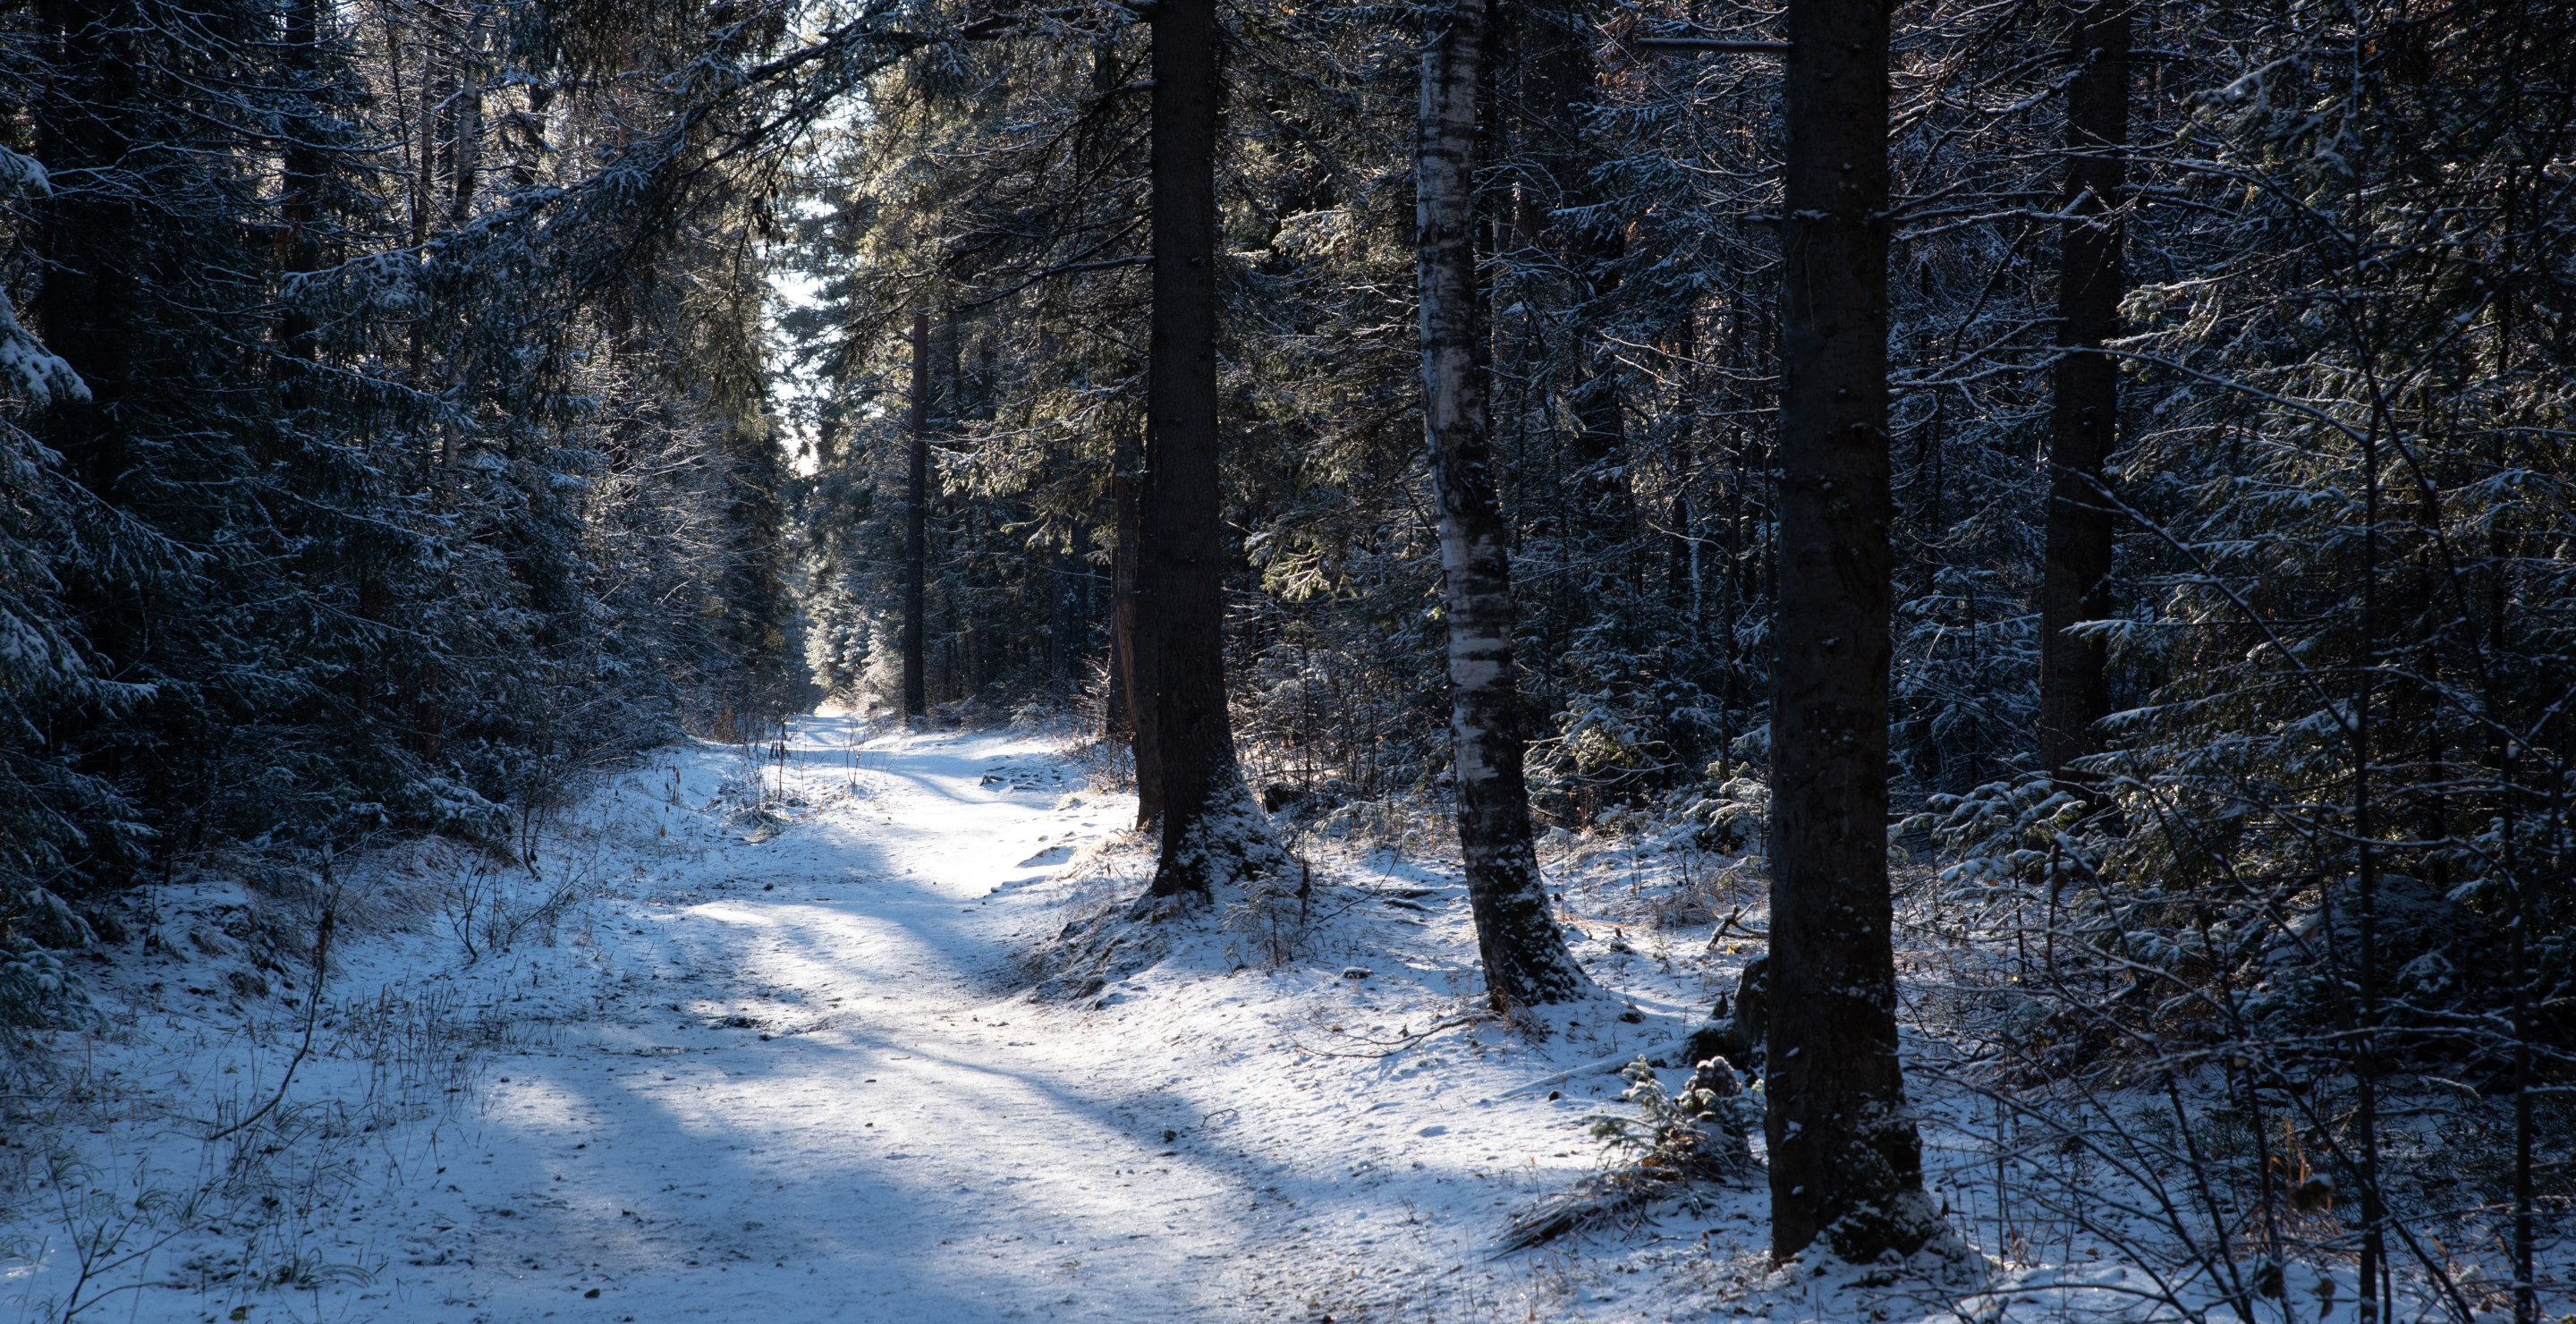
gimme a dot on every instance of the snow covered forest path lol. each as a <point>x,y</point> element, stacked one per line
<point>816,1098</point>
<point>777,1039</point>
<point>809,1080</point>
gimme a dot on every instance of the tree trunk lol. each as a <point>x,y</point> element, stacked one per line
<point>423,138</point>
<point>1212,832</point>
<point>2072,692</point>
<point>1845,1160</point>
<point>457,81</point>
<point>424,133</point>
<point>1073,629</point>
<point>299,209</point>
<point>1132,687</point>
<point>1560,86</point>
<point>916,531</point>
<point>88,305</point>
<point>1115,705</point>
<point>1526,963</point>
<point>466,157</point>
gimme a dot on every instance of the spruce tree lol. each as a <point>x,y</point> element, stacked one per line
<point>1846,1164</point>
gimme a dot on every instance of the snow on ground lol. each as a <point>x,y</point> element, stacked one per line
<point>786,1063</point>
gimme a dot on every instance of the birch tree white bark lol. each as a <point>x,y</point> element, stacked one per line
<point>1526,962</point>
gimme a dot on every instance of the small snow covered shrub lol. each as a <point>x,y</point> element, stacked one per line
<point>37,991</point>
<point>1106,764</point>
<point>1734,817</point>
<point>1410,823</point>
<point>1633,717</point>
<point>1677,1141</point>
<point>1698,1134</point>
<point>1271,919</point>
<point>2001,832</point>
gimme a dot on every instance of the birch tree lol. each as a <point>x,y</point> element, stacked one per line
<point>1526,962</point>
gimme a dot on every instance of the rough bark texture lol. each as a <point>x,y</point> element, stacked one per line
<point>1212,832</point>
<point>1526,962</point>
<point>1845,1160</point>
<point>916,532</point>
<point>2072,692</point>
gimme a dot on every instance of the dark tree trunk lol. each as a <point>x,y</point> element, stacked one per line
<point>465,158</point>
<point>464,122</point>
<point>1132,686</point>
<point>1073,593</point>
<point>424,173</point>
<point>1845,1160</point>
<point>93,309</point>
<point>1212,832</point>
<point>916,530</point>
<point>1560,81</point>
<point>1115,707</point>
<point>1526,962</point>
<point>1059,628</point>
<point>299,211</point>
<point>2073,694</point>
<point>90,300</point>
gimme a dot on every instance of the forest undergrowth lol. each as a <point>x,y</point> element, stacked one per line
<point>253,1050</point>
<point>2099,1152</point>
<point>2116,1123</point>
